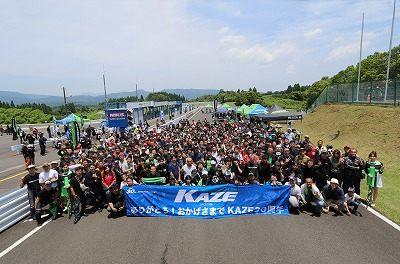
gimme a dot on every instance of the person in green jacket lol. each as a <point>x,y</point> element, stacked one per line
<point>374,171</point>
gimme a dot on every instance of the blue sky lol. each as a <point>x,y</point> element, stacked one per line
<point>183,44</point>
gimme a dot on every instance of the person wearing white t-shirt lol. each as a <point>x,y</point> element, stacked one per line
<point>48,176</point>
<point>188,167</point>
<point>295,198</point>
<point>352,199</point>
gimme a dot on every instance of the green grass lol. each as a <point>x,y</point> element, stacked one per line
<point>269,100</point>
<point>366,128</point>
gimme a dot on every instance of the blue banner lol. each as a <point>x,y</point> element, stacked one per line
<point>117,118</point>
<point>206,202</point>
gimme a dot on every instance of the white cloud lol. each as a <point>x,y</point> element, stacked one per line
<point>262,53</point>
<point>344,50</point>
<point>312,33</point>
<point>229,40</point>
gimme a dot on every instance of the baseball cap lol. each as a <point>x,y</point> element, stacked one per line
<point>351,189</point>
<point>291,178</point>
<point>54,162</point>
<point>31,166</point>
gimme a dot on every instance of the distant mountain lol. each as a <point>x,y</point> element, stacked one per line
<point>192,93</point>
<point>22,98</point>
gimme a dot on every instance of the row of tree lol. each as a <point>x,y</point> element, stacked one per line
<point>373,68</point>
<point>157,96</point>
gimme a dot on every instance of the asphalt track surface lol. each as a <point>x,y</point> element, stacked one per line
<point>246,239</point>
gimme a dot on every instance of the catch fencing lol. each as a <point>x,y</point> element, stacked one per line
<point>14,206</point>
<point>372,92</point>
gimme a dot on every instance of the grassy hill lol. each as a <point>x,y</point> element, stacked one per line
<point>367,128</point>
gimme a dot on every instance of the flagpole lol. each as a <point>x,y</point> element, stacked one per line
<point>390,50</point>
<point>359,62</point>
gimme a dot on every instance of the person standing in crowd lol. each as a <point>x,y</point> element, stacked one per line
<point>337,166</point>
<point>48,129</point>
<point>42,144</point>
<point>374,171</point>
<point>78,189</point>
<point>353,167</point>
<point>33,187</point>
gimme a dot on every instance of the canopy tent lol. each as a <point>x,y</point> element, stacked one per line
<point>240,110</point>
<point>258,109</point>
<point>280,116</point>
<point>69,119</point>
<point>222,110</point>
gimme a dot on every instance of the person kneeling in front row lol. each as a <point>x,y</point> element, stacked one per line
<point>334,197</point>
<point>116,201</point>
<point>312,196</point>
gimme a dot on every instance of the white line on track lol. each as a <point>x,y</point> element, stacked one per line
<point>382,217</point>
<point>22,239</point>
<point>12,168</point>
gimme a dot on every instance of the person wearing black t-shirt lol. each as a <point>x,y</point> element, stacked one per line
<point>77,188</point>
<point>33,187</point>
<point>116,201</point>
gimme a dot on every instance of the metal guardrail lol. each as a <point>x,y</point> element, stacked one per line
<point>14,206</point>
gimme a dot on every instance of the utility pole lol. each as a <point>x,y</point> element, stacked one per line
<point>105,91</point>
<point>390,50</point>
<point>359,63</point>
<point>65,100</point>
<point>137,98</point>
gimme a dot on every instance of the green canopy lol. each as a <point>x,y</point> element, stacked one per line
<point>209,106</point>
<point>240,110</point>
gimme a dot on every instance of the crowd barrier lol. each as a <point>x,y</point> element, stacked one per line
<point>14,206</point>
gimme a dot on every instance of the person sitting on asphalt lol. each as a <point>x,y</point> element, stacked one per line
<point>312,196</point>
<point>116,201</point>
<point>334,197</point>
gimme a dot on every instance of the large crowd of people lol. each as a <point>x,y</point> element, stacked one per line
<point>90,177</point>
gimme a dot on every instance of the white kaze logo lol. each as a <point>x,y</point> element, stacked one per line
<point>205,197</point>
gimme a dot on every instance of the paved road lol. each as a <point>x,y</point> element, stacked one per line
<point>12,165</point>
<point>246,239</point>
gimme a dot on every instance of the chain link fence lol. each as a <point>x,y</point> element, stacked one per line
<point>372,92</point>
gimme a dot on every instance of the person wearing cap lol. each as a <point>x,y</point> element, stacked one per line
<point>323,168</point>
<point>334,197</point>
<point>352,200</point>
<point>48,176</point>
<point>77,189</point>
<point>54,165</point>
<point>313,198</point>
<point>251,179</point>
<point>116,201</point>
<point>33,187</point>
<point>295,198</point>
